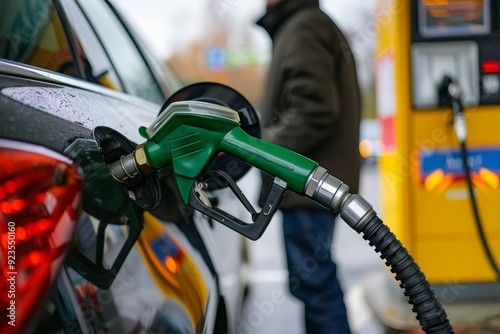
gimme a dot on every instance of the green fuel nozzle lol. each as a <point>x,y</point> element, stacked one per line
<point>189,135</point>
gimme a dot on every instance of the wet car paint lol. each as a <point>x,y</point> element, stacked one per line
<point>54,117</point>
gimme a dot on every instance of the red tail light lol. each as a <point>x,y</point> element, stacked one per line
<point>39,201</point>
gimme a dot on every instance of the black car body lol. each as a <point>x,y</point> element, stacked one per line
<point>66,68</point>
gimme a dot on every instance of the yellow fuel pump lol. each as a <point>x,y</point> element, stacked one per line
<point>425,198</point>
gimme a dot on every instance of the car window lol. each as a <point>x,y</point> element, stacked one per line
<point>97,63</point>
<point>134,73</point>
<point>32,33</point>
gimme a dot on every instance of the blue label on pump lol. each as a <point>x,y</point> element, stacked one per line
<point>449,162</point>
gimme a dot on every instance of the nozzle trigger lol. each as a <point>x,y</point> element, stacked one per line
<point>260,220</point>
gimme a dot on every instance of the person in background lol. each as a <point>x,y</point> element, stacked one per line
<point>311,105</point>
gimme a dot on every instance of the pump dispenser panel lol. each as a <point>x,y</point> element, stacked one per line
<point>459,39</point>
<point>422,45</point>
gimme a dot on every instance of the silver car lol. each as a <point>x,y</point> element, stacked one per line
<point>77,254</point>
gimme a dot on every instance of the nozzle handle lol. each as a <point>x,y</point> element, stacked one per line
<point>272,159</point>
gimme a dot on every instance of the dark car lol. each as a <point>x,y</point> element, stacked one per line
<point>77,254</point>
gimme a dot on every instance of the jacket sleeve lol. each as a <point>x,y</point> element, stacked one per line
<point>310,91</point>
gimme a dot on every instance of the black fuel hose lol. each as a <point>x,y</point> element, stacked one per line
<point>356,212</point>
<point>475,210</point>
<point>430,313</point>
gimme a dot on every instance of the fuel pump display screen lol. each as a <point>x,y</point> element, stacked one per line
<point>443,18</point>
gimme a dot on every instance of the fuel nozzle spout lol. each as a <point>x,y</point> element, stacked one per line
<point>124,168</point>
<point>130,165</point>
<point>359,214</point>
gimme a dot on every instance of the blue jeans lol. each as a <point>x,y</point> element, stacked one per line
<point>312,272</point>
